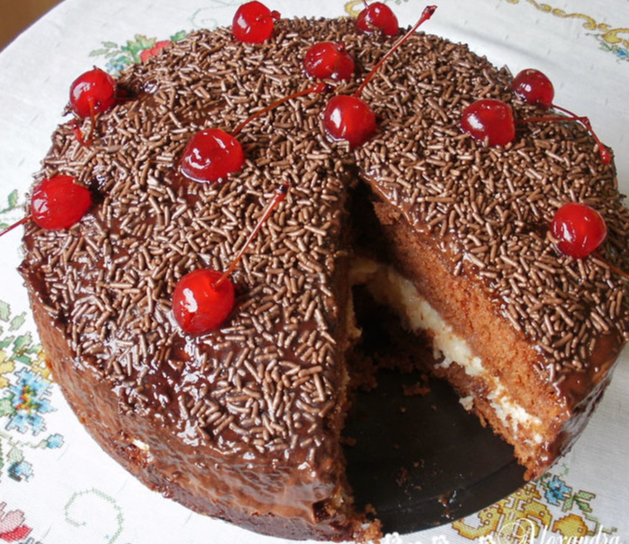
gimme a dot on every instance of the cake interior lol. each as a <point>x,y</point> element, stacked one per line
<point>413,453</point>
<point>415,438</point>
<point>490,384</point>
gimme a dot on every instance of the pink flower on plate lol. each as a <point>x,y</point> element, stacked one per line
<point>148,53</point>
<point>12,526</point>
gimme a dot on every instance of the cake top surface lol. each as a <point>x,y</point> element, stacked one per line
<point>265,381</point>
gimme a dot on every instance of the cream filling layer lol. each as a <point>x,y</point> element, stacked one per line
<point>389,287</point>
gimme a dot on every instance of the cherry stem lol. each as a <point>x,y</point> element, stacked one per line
<point>280,195</point>
<point>317,88</point>
<point>564,110</point>
<point>426,14</point>
<point>90,136</point>
<point>74,124</point>
<point>585,121</point>
<point>77,129</point>
<point>15,225</point>
<point>612,266</point>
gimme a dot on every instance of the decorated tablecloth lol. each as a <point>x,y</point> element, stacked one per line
<point>58,487</point>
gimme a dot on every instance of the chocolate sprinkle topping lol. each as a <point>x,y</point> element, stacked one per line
<point>267,380</point>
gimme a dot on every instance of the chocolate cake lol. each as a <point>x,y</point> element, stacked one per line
<point>244,423</point>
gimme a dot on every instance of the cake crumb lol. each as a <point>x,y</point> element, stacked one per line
<point>348,441</point>
<point>417,389</point>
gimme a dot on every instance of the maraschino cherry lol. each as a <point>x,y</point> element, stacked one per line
<point>204,299</point>
<point>57,203</point>
<point>489,121</point>
<point>349,118</point>
<point>378,17</point>
<point>534,87</point>
<point>328,60</point>
<point>90,94</point>
<point>254,22</point>
<point>213,154</point>
<point>579,229</point>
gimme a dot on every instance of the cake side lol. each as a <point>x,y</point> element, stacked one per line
<point>229,489</point>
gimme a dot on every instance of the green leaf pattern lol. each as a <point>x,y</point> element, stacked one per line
<point>24,396</point>
<point>120,57</point>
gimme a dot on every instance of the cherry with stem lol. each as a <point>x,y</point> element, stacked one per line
<point>348,117</point>
<point>329,60</point>
<point>56,203</point>
<point>534,87</point>
<point>91,93</point>
<point>212,154</point>
<point>204,299</point>
<point>491,121</point>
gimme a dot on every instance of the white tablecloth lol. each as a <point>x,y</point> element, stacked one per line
<point>58,487</point>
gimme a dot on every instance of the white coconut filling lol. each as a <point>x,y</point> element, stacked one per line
<point>390,288</point>
<point>141,445</point>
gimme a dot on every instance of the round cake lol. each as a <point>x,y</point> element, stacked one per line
<point>244,422</point>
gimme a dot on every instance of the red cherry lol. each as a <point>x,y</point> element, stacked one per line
<point>253,22</point>
<point>59,202</point>
<point>534,87</point>
<point>490,121</point>
<point>199,304</point>
<point>92,92</point>
<point>211,155</point>
<point>579,229</point>
<point>378,16</point>
<point>203,299</point>
<point>328,60</point>
<point>349,118</point>
<point>56,203</point>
